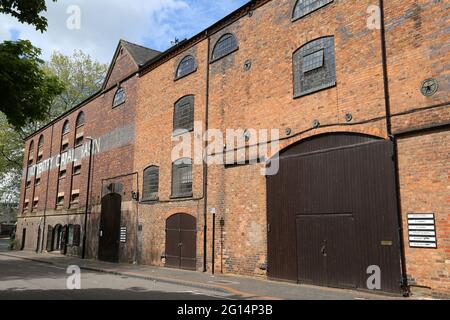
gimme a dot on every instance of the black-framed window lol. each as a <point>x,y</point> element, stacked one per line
<point>224,46</point>
<point>151,184</point>
<point>119,97</point>
<point>183,119</point>
<point>187,66</point>
<point>66,127</point>
<point>314,66</point>
<point>80,119</point>
<point>305,7</point>
<point>182,178</point>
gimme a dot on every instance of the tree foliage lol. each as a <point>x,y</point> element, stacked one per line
<point>81,76</point>
<point>26,11</point>
<point>27,90</point>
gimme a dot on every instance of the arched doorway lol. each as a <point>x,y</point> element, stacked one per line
<point>181,242</point>
<point>56,246</point>
<point>109,237</point>
<point>332,213</point>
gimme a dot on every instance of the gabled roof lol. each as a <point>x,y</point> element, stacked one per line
<point>140,55</point>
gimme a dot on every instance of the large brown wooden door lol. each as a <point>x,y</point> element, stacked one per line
<point>109,237</point>
<point>181,242</point>
<point>332,213</point>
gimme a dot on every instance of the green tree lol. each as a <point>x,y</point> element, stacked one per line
<point>27,90</point>
<point>81,77</point>
<point>26,11</point>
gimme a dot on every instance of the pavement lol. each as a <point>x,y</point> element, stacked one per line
<point>105,279</point>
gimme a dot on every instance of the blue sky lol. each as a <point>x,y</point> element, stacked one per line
<point>152,23</point>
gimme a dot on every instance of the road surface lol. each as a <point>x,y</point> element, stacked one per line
<point>24,279</point>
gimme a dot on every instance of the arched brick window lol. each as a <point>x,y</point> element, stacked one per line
<point>187,66</point>
<point>151,184</point>
<point>119,97</point>
<point>224,46</point>
<point>182,178</point>
<point>183,119</point>
<point>305,7</point>
<point>66,127</point>
<point>314,66</point>
<point>80,119</point>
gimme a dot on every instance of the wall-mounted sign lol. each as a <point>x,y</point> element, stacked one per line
<point>422,230</point>
<point>123,234</point>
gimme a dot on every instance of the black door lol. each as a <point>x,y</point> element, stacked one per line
<point>181,242</point>
<point>49,247</point>
<point>63,240</point>
<point>332,213</point>
<point>108,249</point>
<point>24,238</point>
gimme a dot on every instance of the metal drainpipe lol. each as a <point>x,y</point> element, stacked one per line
<point>205,164</point>
<point>404,279</point>
<point>46,193</point>
<point>91,143</point>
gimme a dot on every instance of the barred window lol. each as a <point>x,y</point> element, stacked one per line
<point>151,183</point>
<point>226,44</point>
<point>304,7</point>
<point>119,97</point>
<point>80,119</point>
<point>314,66</point>
<point>186,66</point>
<point>182,178</point>
<point>184,115</point>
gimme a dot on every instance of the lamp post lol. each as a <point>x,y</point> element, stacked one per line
<point>91,143</point>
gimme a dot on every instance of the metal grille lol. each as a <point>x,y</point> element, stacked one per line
<point>151,183</point>
<point>314,66</point>
<point>119,98</point>
<point>182,178</point>
<point>80,119</point>
<point>303,7</point>
<point>186,66</point>
<point>224,46</point>
<point>313,61</point>
<point>184,114</point>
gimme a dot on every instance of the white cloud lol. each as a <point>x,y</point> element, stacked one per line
<point>103,24</point>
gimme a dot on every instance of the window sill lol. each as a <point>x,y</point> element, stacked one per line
<point>185,131</point>
<point>182,196</point>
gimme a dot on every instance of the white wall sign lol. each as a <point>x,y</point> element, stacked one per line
<point>422,230</point>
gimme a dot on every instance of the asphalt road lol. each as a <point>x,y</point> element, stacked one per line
<point>28,280</point>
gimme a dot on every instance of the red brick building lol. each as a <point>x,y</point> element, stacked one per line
<point>359,93</point>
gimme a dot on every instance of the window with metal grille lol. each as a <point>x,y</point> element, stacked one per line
<point>314,66</point>
<point>119,97</point>
<point>304,7</point>
<point>184,115</point>
<point>66,127</point>
<point>80,119</point>
<point>151,184</point>
<point>186,66</point>
<point>226,44</point>
<point>182,178</point>
<point>313,61</point>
